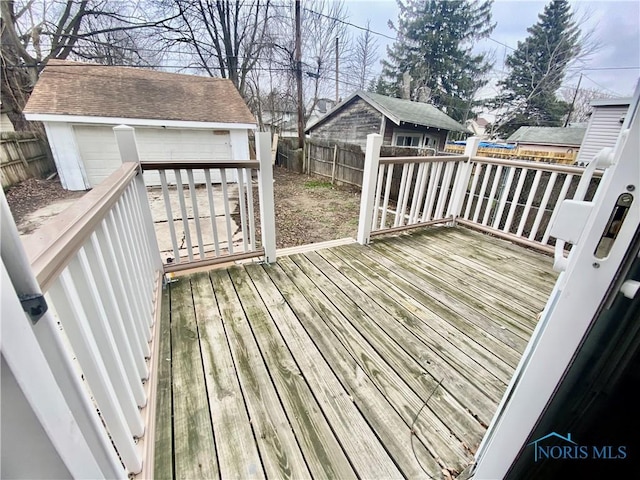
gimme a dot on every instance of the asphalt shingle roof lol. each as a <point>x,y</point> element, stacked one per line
<point>83,89</point>
<point>549,135</point>
<point>418,113</point>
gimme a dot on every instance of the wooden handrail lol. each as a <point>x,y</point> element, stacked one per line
<point>438,158</point>
<point>548,167</point>
<point>53,246</point>
<point>195,165</point>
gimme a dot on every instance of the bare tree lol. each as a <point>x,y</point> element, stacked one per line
<point>582,104</point>
<point>35,32</point>
<point>363,58</point>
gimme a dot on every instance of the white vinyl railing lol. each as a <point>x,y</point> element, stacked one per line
<point>215,221</point>
<point>99,267</point>
<point>513,199</point>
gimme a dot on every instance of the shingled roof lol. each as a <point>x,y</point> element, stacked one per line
<point>402,111</point>
<point>569,136</point>
<point>83,89</point>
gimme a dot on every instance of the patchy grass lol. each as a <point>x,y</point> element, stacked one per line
<point>317,184</point>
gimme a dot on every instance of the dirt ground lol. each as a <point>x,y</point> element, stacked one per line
<point>33,196</point>
<point>308,208</point>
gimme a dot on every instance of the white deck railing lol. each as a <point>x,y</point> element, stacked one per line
<point>99,266</point>
<point>513,199</point>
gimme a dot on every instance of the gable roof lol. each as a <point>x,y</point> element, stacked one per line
<point>84,89</point>
<point>571,136</point>
<point>399,110</point>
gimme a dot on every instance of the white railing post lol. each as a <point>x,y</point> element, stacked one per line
<point>265,190</point>
<point>462,178</point>
<point>127,145</point>
<point>369,176</point>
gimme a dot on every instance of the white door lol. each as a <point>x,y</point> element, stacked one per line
<point>99,150</point>
<point>580,294</point>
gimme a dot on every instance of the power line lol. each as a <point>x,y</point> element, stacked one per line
<point>602,86</point>
<point>350,24</point>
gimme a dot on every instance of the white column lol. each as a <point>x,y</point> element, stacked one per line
<point>265,191</point>
<point>367,199</point>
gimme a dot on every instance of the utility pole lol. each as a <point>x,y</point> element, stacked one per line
<point>299,76</point>
<point>337,60</point>
<point>573,102</point>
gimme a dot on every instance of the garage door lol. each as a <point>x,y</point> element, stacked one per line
<point>99,151</point>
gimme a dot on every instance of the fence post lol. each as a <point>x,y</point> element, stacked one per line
<point>265,192</point>
<point>126,139</point>
<point>369,177</point>
<point>462,178</point>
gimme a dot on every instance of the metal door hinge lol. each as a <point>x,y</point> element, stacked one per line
<point>34,305</point>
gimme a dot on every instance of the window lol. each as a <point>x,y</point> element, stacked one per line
<point>407,140</point>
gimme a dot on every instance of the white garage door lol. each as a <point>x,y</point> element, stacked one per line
<point>99,151</point>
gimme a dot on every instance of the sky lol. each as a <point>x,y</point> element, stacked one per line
<point>615,25</point>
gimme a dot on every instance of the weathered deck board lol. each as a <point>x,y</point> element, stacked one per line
<point>238,458</point>
<point>321,450</point>
<point>279,450</point>
<point>192,429</point>
<point>163,464</point>
<point>316,367</point>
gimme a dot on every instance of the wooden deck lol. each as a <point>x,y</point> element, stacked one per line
<point>385,361</point>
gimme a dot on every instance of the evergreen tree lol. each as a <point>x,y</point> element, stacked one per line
<point>536,70</point>
<point>435,38</point>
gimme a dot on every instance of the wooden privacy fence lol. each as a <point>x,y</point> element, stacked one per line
<point>23,155</point>
<point>513,199</point>
<point>565,158</point>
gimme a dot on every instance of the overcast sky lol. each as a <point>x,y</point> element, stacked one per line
<point>616,26</point>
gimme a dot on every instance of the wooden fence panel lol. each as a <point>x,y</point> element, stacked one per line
<point>23,155</point>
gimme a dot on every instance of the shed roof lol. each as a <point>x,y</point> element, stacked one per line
<point>571,136</point>
<point>84,89</point>
<point>612,102</point>
<point>399,110</point>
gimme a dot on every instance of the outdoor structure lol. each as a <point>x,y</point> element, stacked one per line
<point>605,123</point>
<point>401,122</point>
<point>177,118</point>
<point>423,349</point>
<point>548,139</point>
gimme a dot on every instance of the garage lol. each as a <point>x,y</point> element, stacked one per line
<point>99,151</point>
<point>177,118</point>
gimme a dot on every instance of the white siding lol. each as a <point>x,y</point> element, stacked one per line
<point>99,151</point>
<point>5,123</point>
<point>603,130</point>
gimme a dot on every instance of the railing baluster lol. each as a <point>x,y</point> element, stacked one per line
<point>196,213</point>
<point>387,192</point>
<point>134,222</point>
<point>132,290</point>
<point>117,273</point>
<point>527,206</point>
<point>183,210</point>
<point>144,233</point>
<point>492,193</point>
<point>503,197</point>
<point>76,325</point>
<point>376,201</point>
<point>561,197</point>
<point>87,288</point>
<point>405,196</point>
<point>243,210</point>
<point>212,212</point>
<point>250,211</point>
<point>422,190</point>
<point>543,204</point>
<point>444,190</point>
<point>403,181</point>
<point>416,194</point>
<point>483,189</point>
<point>515,199</point>
<point>227,214</point>
<point>472,191</point>
<point>167,207</point>
<point>431,192</point>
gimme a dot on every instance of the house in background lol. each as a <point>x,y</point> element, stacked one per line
<point>478,126</point>
<point>176,118</point>
<point>605,123</point>
<point>548,139</point>
<point>401,122</point>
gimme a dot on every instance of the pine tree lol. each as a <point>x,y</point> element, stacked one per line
<point>536,70</point>
<point>435,38</point>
